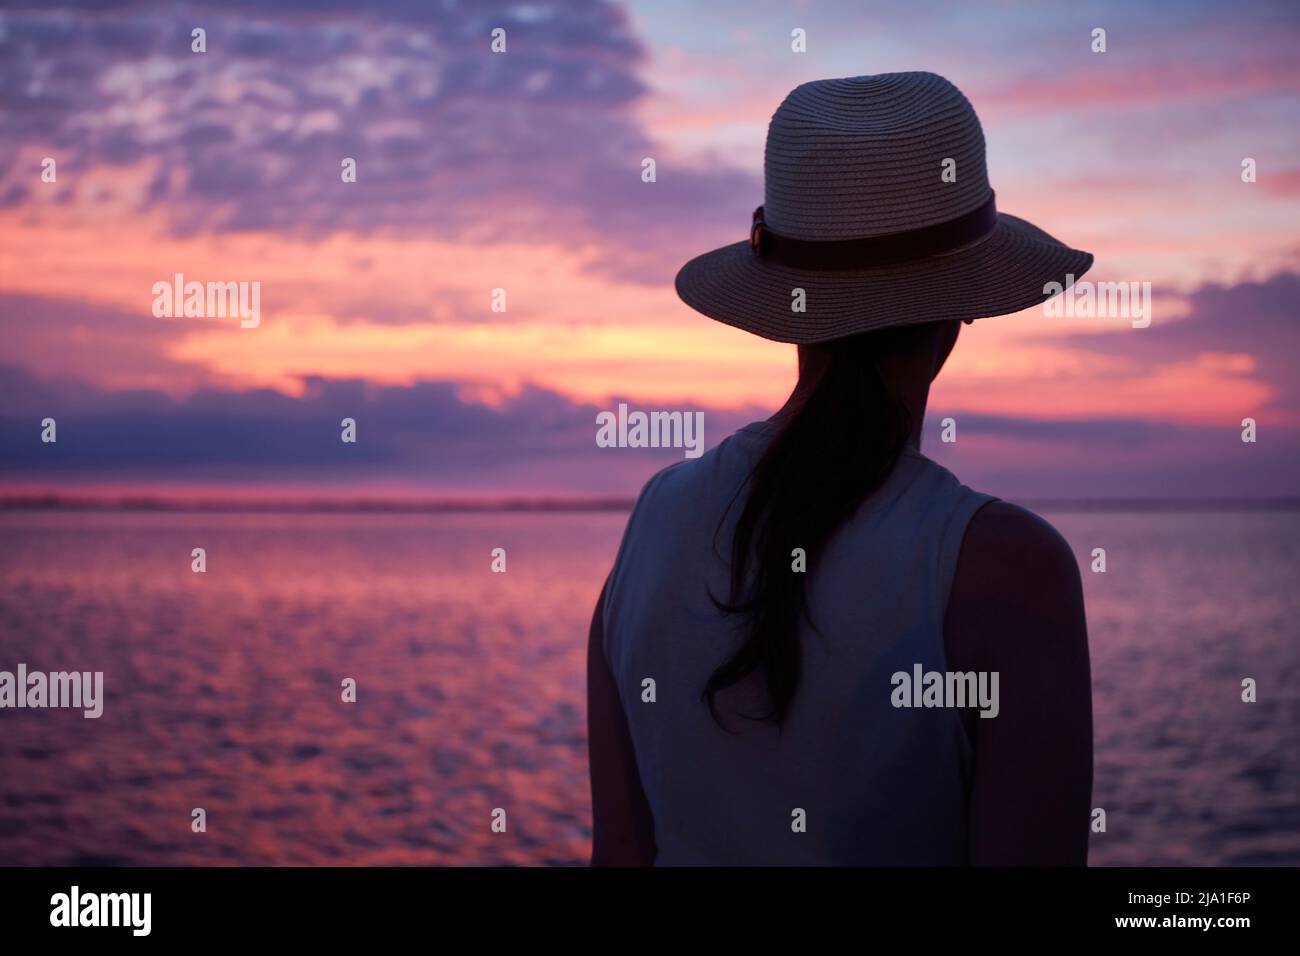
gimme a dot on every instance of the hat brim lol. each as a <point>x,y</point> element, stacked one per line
<point>1004,272</point>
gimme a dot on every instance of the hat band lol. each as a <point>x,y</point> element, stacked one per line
<point>873,250</point>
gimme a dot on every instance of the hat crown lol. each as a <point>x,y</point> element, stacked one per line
<point>865,156</point>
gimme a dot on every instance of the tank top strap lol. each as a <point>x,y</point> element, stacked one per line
<point>963,503</point>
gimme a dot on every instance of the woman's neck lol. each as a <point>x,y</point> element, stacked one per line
<point>908,381</point>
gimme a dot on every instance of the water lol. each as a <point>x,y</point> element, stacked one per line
<point>223,689</point>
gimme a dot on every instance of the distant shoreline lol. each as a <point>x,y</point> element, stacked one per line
<point>555,505</point>
<point>312,506</point>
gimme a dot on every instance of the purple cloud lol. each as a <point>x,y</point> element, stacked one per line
<point>430,437</point>
<point>420,436</point>
<point>449,138</point>
<point>1259,319</point>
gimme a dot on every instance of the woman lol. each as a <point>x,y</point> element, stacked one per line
<point>816,646</point>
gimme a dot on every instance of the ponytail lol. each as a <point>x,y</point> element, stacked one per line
<point>838,445</point>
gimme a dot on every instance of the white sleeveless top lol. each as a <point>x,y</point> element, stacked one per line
<point>849,779</point>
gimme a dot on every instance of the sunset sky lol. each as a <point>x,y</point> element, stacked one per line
<point>522,171</point>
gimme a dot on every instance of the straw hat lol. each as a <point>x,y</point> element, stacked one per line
<point>878,206</point>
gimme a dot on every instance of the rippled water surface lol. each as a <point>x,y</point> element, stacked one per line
<point>223,689</point>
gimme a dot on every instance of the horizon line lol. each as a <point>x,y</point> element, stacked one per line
<point>547,504</point>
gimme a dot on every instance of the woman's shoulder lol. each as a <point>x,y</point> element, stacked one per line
<point>1002,535</point>
<point>1016,584</point>
<point>729,459</point>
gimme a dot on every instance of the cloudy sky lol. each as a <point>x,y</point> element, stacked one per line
<point>522,171</point>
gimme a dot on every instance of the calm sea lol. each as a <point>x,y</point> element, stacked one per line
<point>223,689</point>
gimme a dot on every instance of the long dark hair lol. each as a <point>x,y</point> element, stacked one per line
<point>840,439</point>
